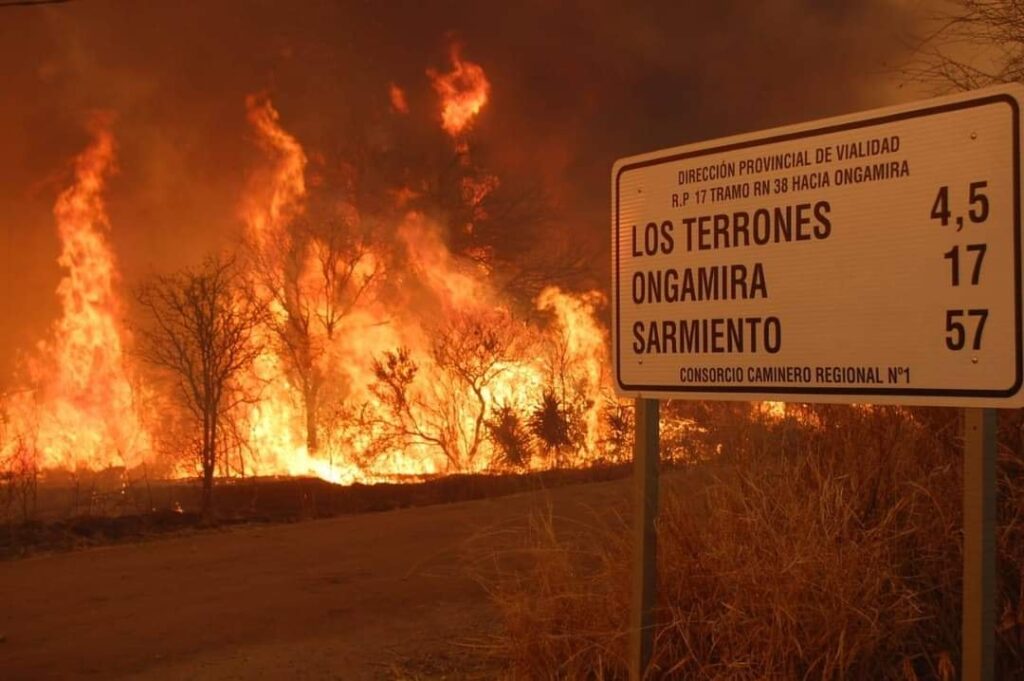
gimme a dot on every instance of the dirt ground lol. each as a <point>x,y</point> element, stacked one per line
<point>373,596</point>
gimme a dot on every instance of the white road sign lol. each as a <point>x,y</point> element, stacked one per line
<point>867,258</point>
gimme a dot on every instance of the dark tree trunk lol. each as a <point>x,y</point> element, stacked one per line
<point>312,437</point>
<point>207,496</point>
<point>209,458</point>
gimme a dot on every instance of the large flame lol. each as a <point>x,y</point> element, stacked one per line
<point>464,92</point>
<point>274,422</point>
<point>442,300</point>
<point>79,409</point>
<point>354,380</point>
<point>270,208</point>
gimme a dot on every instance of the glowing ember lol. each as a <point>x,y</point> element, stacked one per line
<point>474,191</point>
<point>398,102</point>
<point>464,91</point>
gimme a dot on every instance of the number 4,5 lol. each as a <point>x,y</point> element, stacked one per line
<point>977,199</point>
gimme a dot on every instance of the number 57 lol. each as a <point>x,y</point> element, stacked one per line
<point>956,335</point>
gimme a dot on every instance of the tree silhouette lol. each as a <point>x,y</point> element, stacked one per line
<point>199,332</point>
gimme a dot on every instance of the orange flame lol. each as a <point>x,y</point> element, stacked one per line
<point>398,101</point>
<point>580,350</point>
<point>268,212</point>
<point>464,91</point>
<point>469,358</point>
<point>81,410</point>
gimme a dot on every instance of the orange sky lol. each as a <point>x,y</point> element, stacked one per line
<point>574,87</point>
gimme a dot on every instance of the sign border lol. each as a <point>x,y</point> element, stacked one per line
<point>824,130</point>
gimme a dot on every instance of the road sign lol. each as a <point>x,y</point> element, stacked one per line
<point>866,258</point>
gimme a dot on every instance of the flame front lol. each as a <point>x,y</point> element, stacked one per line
<point>384,354</point>
<point>79,408</point>
<point>269,211</point>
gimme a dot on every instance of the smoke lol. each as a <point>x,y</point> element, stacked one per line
<point>573,86</point>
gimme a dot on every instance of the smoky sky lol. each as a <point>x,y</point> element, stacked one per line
<point>575,85</point>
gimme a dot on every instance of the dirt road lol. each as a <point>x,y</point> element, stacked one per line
<point>376,596</point>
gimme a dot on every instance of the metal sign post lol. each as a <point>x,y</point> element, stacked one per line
<point>979,617</point>
<point>645,512</point>
<point>874,258</point>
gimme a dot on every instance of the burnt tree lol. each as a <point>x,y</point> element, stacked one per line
<point>973,43</point>
<point>448,408</point>
<point>199,332</point>
<point>312,285</point>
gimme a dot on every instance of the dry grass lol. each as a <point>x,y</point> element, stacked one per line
<point>824,552</point>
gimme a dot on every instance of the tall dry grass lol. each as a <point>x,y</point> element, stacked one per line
<point>822,548</point>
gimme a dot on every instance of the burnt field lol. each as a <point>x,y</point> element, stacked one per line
<point>102,509</point>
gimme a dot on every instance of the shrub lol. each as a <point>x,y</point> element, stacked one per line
<point>556,426</point>
<point>827,547</point>
<point>512,443</point>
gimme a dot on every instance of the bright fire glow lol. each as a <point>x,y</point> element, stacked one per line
<point>267,212</point>
<point>382,357</point>
<point>79,409</point>
<point>464,91</point>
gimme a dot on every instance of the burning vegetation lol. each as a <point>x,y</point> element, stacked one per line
<point>365,329</point>
<point>79,406</point>
<point>399,306</point>
<point>464,91</point>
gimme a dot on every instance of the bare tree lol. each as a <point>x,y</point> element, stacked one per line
<point>449,409</point>
<point>313,284</point>
<point>19,472</point>
<point>559,420</point>
<point>557,427</point>
<point>511,437</point>
<point>973,43</point>
<point>200,332</point>
<point>508,225</point>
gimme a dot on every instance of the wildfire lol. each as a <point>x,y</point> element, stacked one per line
<point>580,350</point>
<point>270,208</point>
<point>464,91</point>
<point>79,409</point>
<point>273,422</point>
<point>383,354</point>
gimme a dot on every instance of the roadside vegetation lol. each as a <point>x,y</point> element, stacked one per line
<point>824,544</point>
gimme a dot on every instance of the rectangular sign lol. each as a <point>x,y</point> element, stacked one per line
<point>867,258</point>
